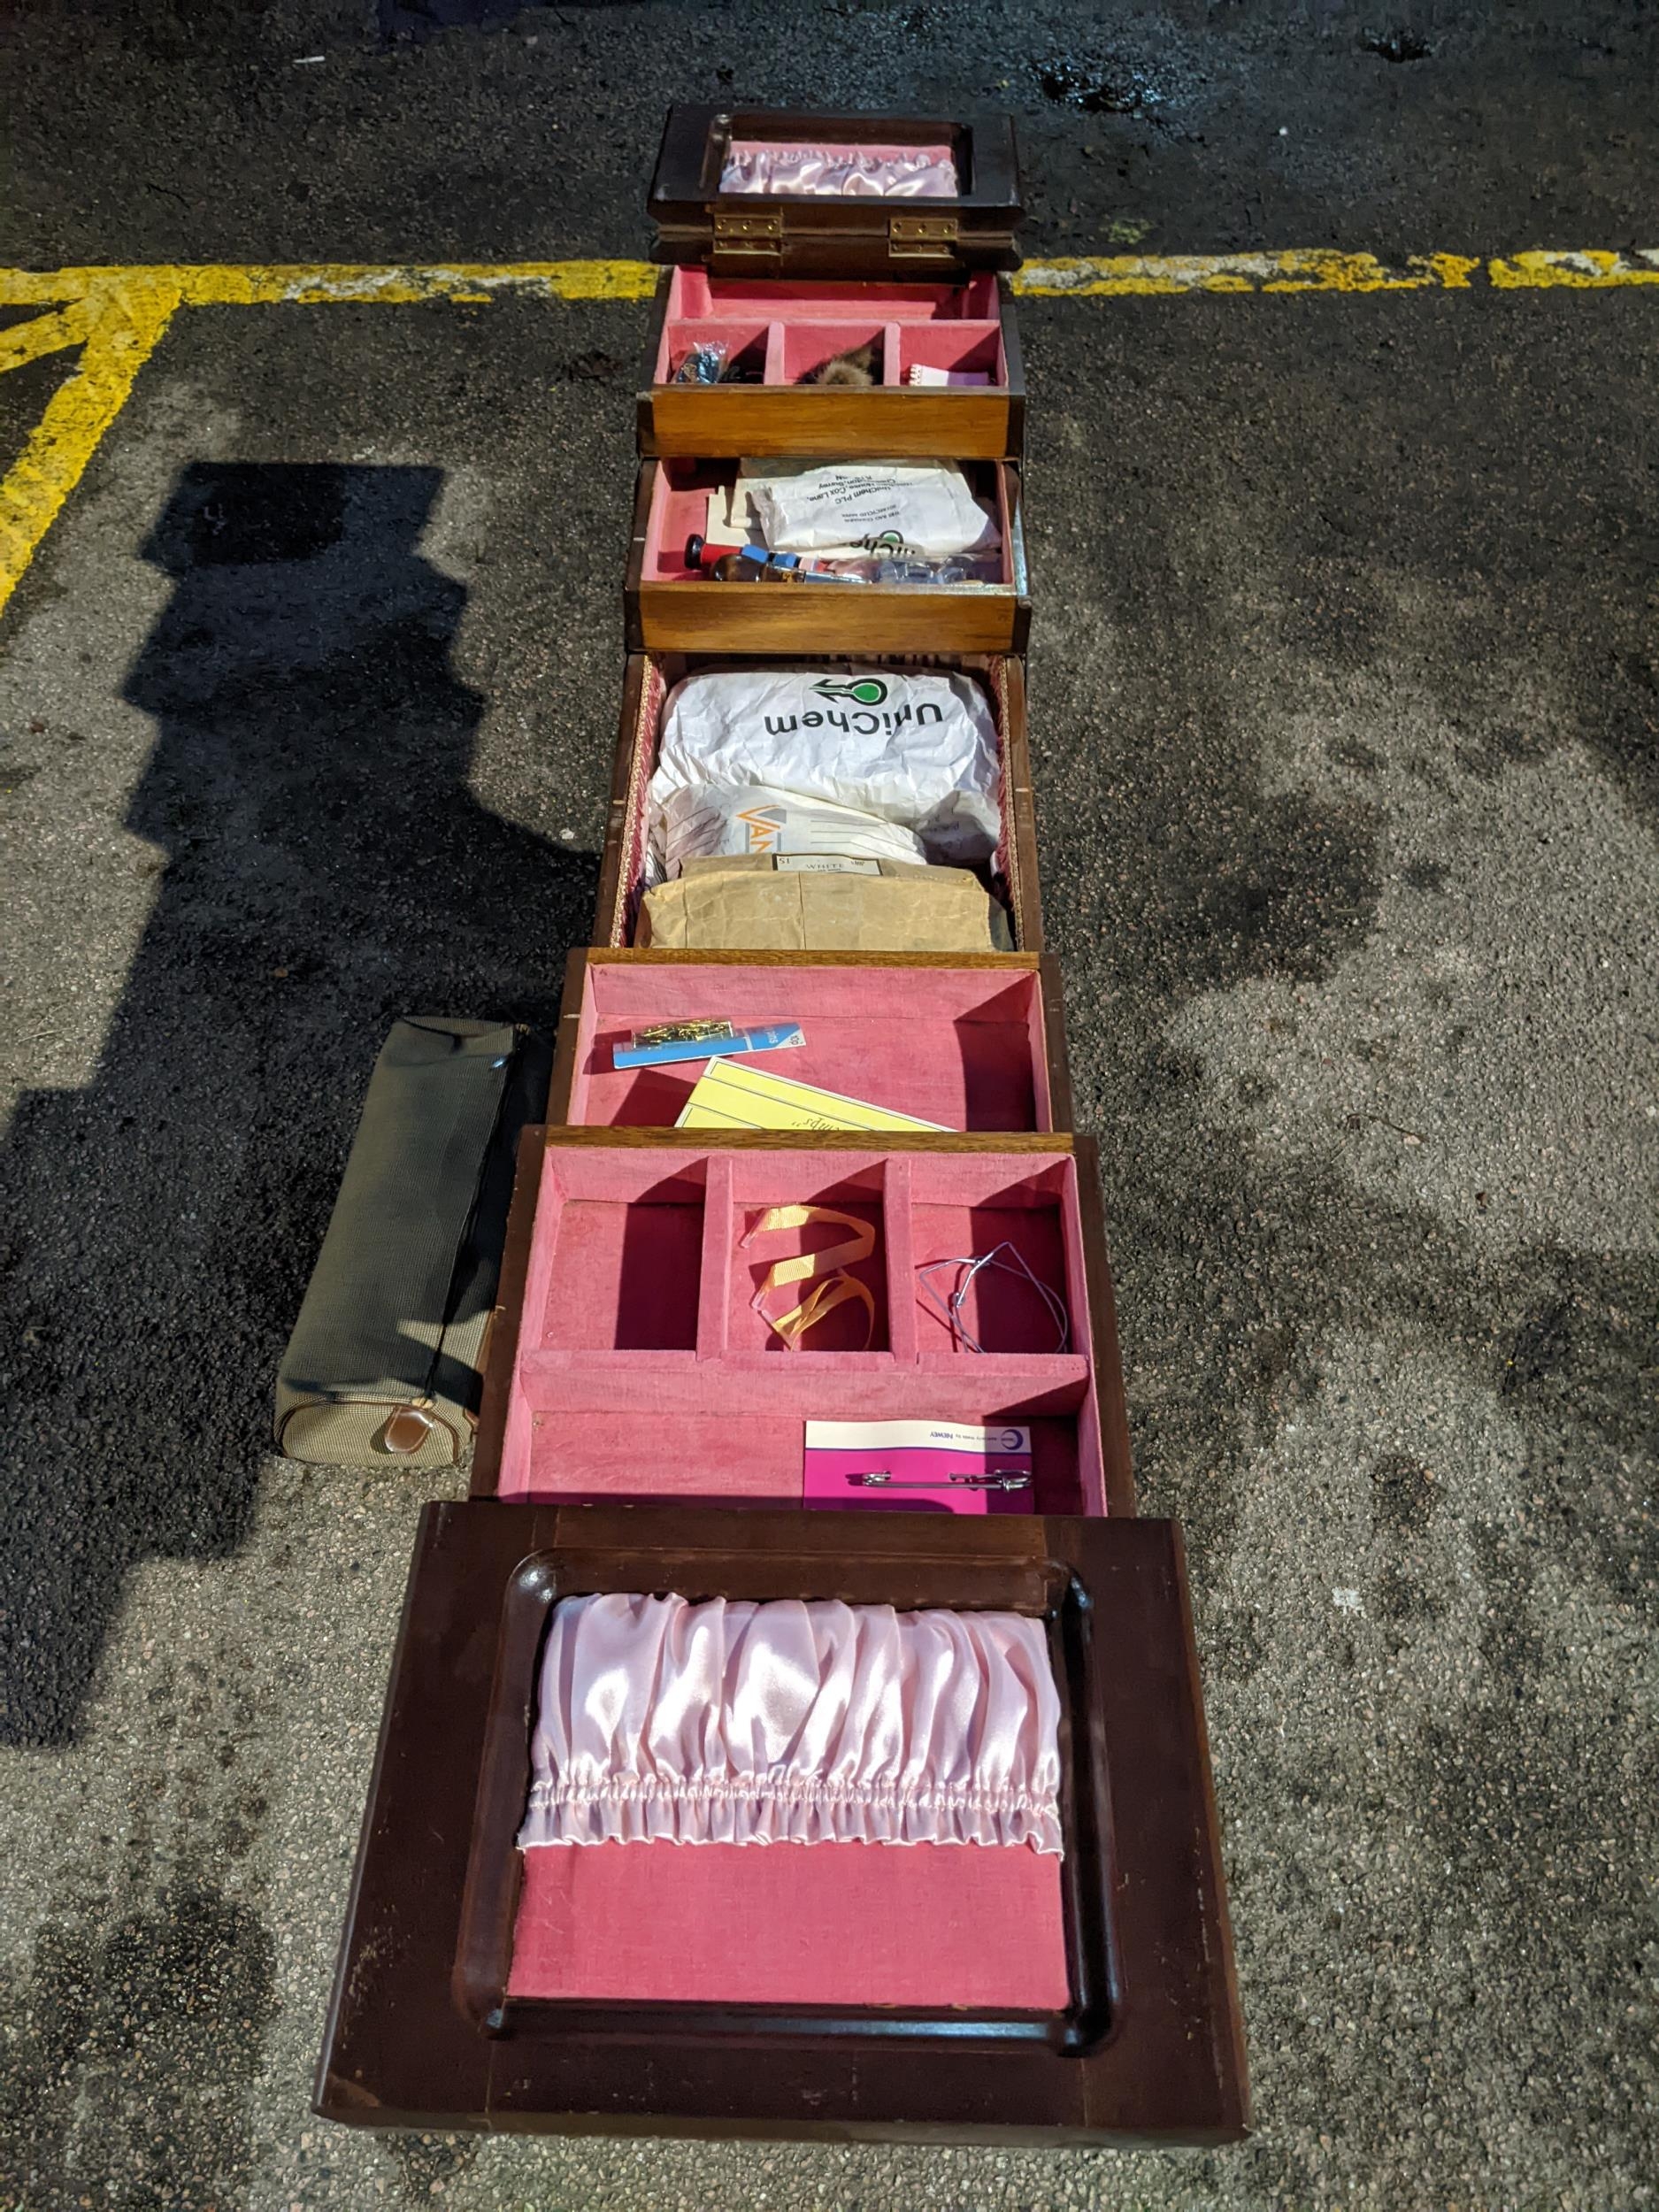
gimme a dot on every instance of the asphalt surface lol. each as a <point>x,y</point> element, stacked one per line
<point>1345,694</point>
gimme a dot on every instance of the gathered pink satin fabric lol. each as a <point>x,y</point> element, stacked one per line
<point>660,1720</point>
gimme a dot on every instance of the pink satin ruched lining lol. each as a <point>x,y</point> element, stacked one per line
<point>662,1720</point>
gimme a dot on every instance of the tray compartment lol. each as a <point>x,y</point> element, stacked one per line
<point>974,349</point>
<point>572,1410</point>
<point>618,1259</point>
<point>747,343</point>
<point>967,1046</point>
<point>678,507</point>
<point>972,1209</point>
<point>807,346</point>
<point>651,677</point>
<point>671,607</point>
<point>754,1251</point>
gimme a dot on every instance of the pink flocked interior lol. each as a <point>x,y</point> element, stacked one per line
<point>680,510</point>
<point>977,1926</point>
<point>643,1370</point>
<point>962,1047</point>
<point>783,330</point>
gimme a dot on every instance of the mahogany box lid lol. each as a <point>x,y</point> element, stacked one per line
<point>425,2029</point>
<point>791,232</point>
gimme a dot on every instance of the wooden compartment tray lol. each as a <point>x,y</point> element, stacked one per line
<point>626,1359</point>
<point>668,607</point>
<point>650,677</point>
<point>969,1042</point>
<point>777,334</point>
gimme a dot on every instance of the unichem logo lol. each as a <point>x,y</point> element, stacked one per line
<point>867,691</point>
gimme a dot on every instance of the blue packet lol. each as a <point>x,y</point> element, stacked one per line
<point>666,1041</point>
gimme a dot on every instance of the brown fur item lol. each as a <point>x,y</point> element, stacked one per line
<point>852,370</point>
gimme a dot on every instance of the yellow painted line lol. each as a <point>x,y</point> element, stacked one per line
<point>118,314</point>
<point>42,334</point>
<point>1316,271</point>
<point>346,283</point>
<point>1152,275</point>
<point>1587,271</point>
<point>123,323</point>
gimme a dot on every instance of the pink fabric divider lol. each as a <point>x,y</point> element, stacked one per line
<point>803,1924</point>
<point>835,1386</point>
<point>753,1456</point>
<point>694,296</point>
<point>648,735</point>
<point>963,1048</point>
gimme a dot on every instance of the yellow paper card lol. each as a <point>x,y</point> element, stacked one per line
<point>734,1094</point>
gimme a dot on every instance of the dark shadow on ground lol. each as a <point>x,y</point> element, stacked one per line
<point>323,868</point>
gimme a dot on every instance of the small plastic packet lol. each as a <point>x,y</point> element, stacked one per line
<point>705,364</point>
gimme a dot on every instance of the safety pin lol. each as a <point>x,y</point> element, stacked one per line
<point>998,1479</point>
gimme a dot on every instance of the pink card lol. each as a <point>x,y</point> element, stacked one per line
<point>917,1467</point>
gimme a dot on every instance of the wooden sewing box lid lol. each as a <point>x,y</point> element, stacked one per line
<point>761,234</point>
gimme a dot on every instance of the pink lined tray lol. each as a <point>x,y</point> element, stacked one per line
<point>642,1370</point>
<point>782,331</point>
<point>679,509</point>
<point>963,1047</point>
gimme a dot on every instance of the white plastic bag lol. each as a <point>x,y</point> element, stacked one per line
<point>704,821</point>
<point>913,747</point>
<point>924,506</point>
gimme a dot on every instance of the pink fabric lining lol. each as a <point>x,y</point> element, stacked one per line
<point>963,1046</point>
<point>662,1720</point>
<point>800,1924</point>
<point>694,294</point>
<point>839,171</point>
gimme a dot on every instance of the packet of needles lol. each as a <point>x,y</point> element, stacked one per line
<point>920,1466</point>
<point>663,1042</point>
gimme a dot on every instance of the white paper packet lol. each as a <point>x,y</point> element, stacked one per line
<point>704,821</point>
<point>805,506</point>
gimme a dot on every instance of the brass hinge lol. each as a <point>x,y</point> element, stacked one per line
<point>755,236</point>
<point>920,237</point>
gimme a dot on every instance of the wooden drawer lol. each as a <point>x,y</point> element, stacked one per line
<point>650,677</point>
<point>777,334</point>
<point>668,608</point>
<point>1139,2040</point>
<point>970,1043</point>
<point>625,1313</point>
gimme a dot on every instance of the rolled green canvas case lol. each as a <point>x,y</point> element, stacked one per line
<point>385,1360</point>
